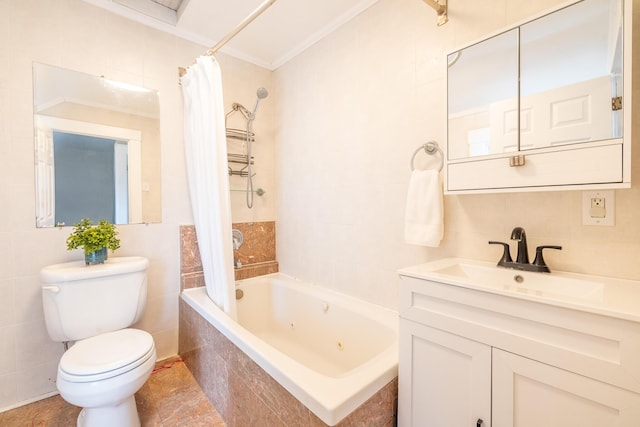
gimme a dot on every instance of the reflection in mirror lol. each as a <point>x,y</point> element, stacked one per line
<point>481,79</point>
<point>570,72</point>
<point>571,68</point>
<point>97,146</point>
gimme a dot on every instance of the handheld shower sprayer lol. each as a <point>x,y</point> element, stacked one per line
<point>249,116</point>
<point>261,93</point>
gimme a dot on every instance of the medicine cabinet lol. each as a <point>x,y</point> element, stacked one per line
<point>545,105</point>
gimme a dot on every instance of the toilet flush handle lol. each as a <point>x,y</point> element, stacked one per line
<point>53,289</point>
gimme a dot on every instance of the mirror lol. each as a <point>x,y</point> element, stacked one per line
<point>97,149</point>
<point>470,104</point>
<point>570,73</point>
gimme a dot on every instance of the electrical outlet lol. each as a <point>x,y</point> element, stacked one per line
<point>598,208</point>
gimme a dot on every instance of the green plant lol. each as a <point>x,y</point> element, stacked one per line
<point>93,237</point>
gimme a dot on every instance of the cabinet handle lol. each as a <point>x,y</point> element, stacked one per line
<point>479,423</point>
<point>515,161</point>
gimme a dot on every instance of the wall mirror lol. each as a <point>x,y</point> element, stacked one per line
<point>97,149</point>
<point>547,83</point>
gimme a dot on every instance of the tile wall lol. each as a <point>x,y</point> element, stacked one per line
<point>351,111</point>
<point>77,35</point>
<point>257,254</point>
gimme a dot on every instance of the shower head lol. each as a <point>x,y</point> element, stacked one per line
<point>261,93</point>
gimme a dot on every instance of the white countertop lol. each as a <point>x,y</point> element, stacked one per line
<point>607,296</point>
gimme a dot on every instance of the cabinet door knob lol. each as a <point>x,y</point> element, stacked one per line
<point>479,423</point>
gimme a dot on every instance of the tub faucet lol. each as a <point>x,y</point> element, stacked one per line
<point>522,259</point>
<point>518,234</point>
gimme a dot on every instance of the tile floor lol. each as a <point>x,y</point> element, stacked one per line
<point>171,398</point>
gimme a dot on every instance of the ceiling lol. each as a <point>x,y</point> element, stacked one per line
<point>284,30</point>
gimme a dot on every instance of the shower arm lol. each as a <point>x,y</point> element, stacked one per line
<point>440,6</point>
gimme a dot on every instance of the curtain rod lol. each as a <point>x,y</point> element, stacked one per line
<point>241,26</point>
<point>440,6</point>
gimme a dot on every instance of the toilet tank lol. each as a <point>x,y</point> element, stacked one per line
<point>82,301</point>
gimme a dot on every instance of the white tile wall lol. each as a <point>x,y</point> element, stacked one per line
<point>335,138</point>
<point>351,111</point>
<point>75,35</point>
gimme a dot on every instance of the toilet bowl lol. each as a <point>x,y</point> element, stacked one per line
<point>102,373</point>
<point>95,307</point>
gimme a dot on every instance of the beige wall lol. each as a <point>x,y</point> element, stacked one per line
<point>351,111</point>
<point>75,35</point>
<point>240,82</point>
<point>347,114</point>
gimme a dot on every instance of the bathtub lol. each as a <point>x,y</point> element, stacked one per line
<point>332,352</point>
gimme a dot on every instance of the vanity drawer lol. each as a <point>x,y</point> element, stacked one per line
<point>597,346</point>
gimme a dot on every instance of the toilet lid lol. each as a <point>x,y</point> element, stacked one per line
<point>107,355</point>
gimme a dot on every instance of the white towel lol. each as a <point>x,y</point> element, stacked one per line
<point>424,216</point>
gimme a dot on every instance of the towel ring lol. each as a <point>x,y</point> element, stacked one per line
<point>430,148</point>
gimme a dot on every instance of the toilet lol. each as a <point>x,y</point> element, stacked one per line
<point>94,306</point>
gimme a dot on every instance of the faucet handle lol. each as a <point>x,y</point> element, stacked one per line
<point>506,254</point>
<point>539,260</point>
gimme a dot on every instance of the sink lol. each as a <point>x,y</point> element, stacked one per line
<point>555,284</point>
<point>610,296</point>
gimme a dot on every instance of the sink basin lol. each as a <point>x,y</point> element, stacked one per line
<point>595,294</point>
<point>478,274</point>
<point>540,284</point>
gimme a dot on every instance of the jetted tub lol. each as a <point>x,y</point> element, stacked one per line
<point>330,351</point>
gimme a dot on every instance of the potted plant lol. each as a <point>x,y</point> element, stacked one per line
<point>95,239</point>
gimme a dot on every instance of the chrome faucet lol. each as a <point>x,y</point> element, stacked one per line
<point>522,259</point>
<point>238,239</point>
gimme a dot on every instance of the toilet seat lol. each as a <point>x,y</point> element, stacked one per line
<point>107,355</point>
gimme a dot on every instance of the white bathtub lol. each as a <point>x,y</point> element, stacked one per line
<point>329,350</point>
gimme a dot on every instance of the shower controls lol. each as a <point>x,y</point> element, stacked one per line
<point>238,238</point>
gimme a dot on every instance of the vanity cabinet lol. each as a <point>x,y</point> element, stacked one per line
<point>527,393</point>
<point>468,355</point>
<point>445,379</point>
<point>545,105</point>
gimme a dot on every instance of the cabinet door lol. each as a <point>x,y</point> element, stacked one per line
<point>444,379</point>
<point>527,393</point>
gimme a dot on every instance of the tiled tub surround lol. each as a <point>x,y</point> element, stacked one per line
<point>340,370</point>
<point>257,254</point>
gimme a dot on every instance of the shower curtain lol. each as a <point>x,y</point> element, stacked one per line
<point>207,170</point>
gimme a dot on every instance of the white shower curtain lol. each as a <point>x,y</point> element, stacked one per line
<point>207,170</point>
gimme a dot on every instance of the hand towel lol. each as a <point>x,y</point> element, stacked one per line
<point>424,216</point>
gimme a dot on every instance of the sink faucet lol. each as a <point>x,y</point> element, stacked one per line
<point>520,236</point>
<point>522,259</point>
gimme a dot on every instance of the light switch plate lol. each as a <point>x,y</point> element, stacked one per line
<point>598,207</point>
